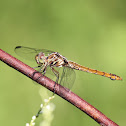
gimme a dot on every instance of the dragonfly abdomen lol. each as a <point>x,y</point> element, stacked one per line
<point>89,70</point>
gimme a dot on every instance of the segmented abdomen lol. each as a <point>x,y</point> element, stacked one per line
<point>76,66</point>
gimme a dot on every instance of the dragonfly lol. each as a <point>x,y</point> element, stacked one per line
<point>53,60</point>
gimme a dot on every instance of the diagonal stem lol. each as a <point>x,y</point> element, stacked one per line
<point>63,92</point>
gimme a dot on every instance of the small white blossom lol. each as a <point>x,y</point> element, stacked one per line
<point>27,124</point>
<point>45,100</point>
<point>33,117</point>
<point>41,105</point>
<point>33,124</point>
<point>48,107</point>
<point>41,112</point>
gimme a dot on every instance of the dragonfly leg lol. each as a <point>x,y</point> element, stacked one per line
<point>43,71</point>
<point>36,67</point>
<point>57,77</point>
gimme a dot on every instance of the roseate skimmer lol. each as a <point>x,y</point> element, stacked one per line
<point>50,59</point>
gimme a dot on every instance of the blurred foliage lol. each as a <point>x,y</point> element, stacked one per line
<point>91,33</point>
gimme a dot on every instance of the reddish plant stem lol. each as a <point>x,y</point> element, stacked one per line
<point>59,90</point>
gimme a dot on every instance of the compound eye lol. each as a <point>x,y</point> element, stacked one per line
<point>41,56</point>
<point>37,59</point>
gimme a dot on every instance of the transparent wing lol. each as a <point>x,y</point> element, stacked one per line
<point>30,53</point>
<point>49,73</point>
<point>68,77</point>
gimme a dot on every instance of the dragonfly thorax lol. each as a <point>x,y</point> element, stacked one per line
<point>56,60</point>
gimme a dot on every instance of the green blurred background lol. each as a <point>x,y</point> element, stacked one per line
<point>91,33</point>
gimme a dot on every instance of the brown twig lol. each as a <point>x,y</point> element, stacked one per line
<point>59,90</point>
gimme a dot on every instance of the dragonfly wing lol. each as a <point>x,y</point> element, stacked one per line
<point>30,53</point>
<point>49,73</point>
<point>68,77</point>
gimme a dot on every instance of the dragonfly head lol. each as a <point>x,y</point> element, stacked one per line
<point>40,58</point>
